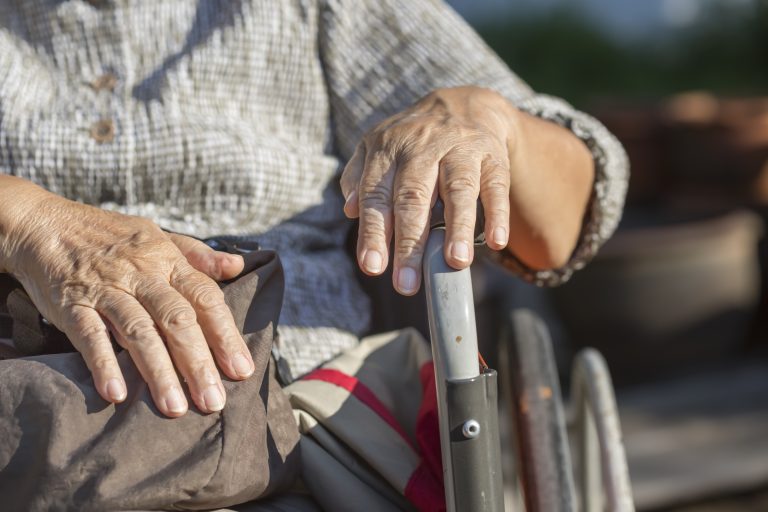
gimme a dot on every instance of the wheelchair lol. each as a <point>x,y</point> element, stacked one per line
<point>548,476</point>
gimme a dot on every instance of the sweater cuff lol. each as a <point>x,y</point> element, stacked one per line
<point>608,191</point>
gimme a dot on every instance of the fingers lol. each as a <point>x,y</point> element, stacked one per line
<point>414,186</point>
<point>459,185</point>
<point>350,181</point>
<point>178,324</point>
<point>136,332</point>
<point>456,148</point>
<point>217,265</point>
<point>90,336</point>
<point>494,194</point>
<point>402,199</point>
<point>375,212</point>
<point>216,321</point>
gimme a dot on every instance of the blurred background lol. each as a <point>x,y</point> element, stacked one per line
<point>677,300</point>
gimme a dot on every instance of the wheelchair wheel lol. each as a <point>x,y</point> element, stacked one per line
<point>530,380</point>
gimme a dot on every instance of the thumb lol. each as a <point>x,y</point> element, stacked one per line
<point>217,265</point>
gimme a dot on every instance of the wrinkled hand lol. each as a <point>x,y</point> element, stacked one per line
<point>454,143</point>
<point>90,272</point>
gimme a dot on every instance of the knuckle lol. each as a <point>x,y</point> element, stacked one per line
<point>461,183</point>
<point>372,231</point>
<point>100,364</point>
<point>495,166</point>
<point>496,159</point>
<point>144,233</point>
<point>151,285</point>
<point>178,317</point>
<point>383,136</point>
<point>139,330</point>
<point>92,334</point>
<point>207,296</point>
<point>496,185</point>
<point>408,246</point>
<point>182,271</point>
<point>414,193</point>
<point>75,292</point>
<point>376,196</point>
<point>84,325</point>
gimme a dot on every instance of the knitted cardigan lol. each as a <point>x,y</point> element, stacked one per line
<point>236,117</point>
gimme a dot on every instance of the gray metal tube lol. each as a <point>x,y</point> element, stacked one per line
<point>448,319</point>
<point>472,406</point>
<point>467,406</point>
<point>451,313</point>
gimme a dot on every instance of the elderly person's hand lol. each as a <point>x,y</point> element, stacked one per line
<point>90,272</point>
<point>532,176</point>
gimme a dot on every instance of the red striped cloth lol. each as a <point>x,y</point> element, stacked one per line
<point>425,485</point>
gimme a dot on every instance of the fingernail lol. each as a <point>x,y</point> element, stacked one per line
<point>407,280</point>
<point>460,251</point>
<point>174,401</point>
<point>213,399</point>
<point>372,261</point>
<point>242,365</point>
<point>350,205</point>
<point>500,236</point>
<point>116,390</point>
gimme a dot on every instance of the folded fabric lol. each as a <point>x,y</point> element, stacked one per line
<point>370,428</point>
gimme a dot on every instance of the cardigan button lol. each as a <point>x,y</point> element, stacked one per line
<point>103,131</point>
<point>105,82</point>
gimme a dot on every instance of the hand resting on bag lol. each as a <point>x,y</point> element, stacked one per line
<point>91,272</point>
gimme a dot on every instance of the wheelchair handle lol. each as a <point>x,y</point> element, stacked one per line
<point>466,396</point>
<point>451,311</point>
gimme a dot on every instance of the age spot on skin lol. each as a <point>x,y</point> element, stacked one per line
<point>458,339</point>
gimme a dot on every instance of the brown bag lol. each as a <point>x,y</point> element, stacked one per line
<point>62,447</point>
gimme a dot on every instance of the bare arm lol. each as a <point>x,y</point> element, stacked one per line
<point>549,194</point>
<point>17,196</point>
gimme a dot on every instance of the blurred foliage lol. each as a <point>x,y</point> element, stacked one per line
<point>726,52</point>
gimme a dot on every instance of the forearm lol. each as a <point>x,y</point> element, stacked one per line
<point>552,174</point>
<point>18,197</point>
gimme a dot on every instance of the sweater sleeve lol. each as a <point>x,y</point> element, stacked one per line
<point>380,56</point>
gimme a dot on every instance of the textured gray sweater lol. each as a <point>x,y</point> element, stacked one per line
<point>235,118</point>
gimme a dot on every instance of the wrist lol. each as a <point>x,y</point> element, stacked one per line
<point>551,176</point>
<point>517,140</point>
<point>20,199</point>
